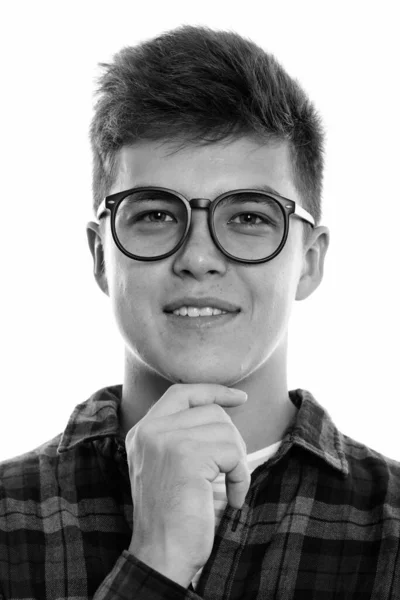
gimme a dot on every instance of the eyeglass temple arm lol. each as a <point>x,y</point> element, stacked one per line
<point>101,211</point>
<point>300,212</point>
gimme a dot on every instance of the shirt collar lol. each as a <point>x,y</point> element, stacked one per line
<point>313,428</point>
<point>93,419</point>
<point>315,431</point>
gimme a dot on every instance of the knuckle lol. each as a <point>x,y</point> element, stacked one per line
<point>173,390</point>
<point>239,441</point>
<point>175,387</point>
<point>242,443</point>
<point>218,413</point>
<point>140,435</point>
<point>243,446</point>
<point>144,434</point>
<point>238,450</point>
<point>232,431</point>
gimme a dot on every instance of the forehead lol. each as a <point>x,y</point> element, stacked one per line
<point>206,171</point>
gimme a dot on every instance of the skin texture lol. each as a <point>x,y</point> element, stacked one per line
<point>248,353</point>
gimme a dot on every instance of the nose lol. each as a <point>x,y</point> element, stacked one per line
<point>199,257</point>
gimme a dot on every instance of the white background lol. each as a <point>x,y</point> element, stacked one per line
<point>58,340</point>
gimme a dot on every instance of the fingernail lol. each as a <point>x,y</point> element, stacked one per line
<point>238,393</point>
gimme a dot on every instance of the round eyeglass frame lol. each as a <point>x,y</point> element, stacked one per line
<point>287,206</point>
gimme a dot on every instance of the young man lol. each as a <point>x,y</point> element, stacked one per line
<point>202,475</point>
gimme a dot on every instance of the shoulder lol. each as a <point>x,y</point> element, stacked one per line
<point>371,472</point>
<point>352,460</point>
<point>362,457</point>
<point>22,476</point>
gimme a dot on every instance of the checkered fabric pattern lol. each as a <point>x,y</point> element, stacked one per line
<point>321,519</point>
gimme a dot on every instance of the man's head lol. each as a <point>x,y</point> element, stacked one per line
<point>202,113</point>
<point>196,85</point>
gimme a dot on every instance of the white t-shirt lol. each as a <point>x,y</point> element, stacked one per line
<point>219,490</point>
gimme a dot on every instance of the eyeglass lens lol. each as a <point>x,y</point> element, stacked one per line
<point>247,225</point>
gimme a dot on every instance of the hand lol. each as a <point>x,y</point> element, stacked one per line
<point>174,454</point>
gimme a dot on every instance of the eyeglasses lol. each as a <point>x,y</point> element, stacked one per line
<point>247,225</point>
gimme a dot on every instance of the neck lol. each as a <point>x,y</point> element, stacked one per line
<point>261,421</point>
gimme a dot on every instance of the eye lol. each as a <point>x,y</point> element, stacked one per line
<point>249,219</point>
<point>155,216</point>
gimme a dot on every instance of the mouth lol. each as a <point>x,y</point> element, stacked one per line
<point>200,313</point>
<point>197,308</point>
<point>200,322</point>
<point>193,312</point>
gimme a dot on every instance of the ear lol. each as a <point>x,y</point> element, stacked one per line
<point>97,250</point>
<point>313,262</point>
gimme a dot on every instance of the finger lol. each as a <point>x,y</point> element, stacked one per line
<point>183,396</point>
<point>228,460</point>
<point>204,434</point>
<point>218,446</point>
<point>237,484</point>
<point>192,417</point>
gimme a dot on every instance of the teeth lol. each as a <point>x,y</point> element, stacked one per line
<point>193,311</point>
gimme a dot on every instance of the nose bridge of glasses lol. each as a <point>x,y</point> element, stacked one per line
<point>198,203</point>
<point>203,203</point>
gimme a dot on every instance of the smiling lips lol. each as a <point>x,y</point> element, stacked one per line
<point>194,311</point>
<point>200,307</point>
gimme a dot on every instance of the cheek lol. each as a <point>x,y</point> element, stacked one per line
<point>275,296</point>
<point>134,292</point>
<point>127,294</point>
<point>118,285</point>
<point>131,311</point>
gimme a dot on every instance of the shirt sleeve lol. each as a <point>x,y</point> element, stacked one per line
<point>132,579</point>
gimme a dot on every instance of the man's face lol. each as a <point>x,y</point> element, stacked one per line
<point>180,348</point>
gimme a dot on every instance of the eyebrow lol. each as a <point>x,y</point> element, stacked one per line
<point>267,188</point>
<point>262,188</point>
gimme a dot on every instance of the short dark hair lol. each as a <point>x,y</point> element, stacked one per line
<point>196,85</point>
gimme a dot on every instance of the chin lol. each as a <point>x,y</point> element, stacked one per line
<point>206,373</point>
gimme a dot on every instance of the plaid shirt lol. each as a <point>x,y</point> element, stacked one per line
<point>321,519</point>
